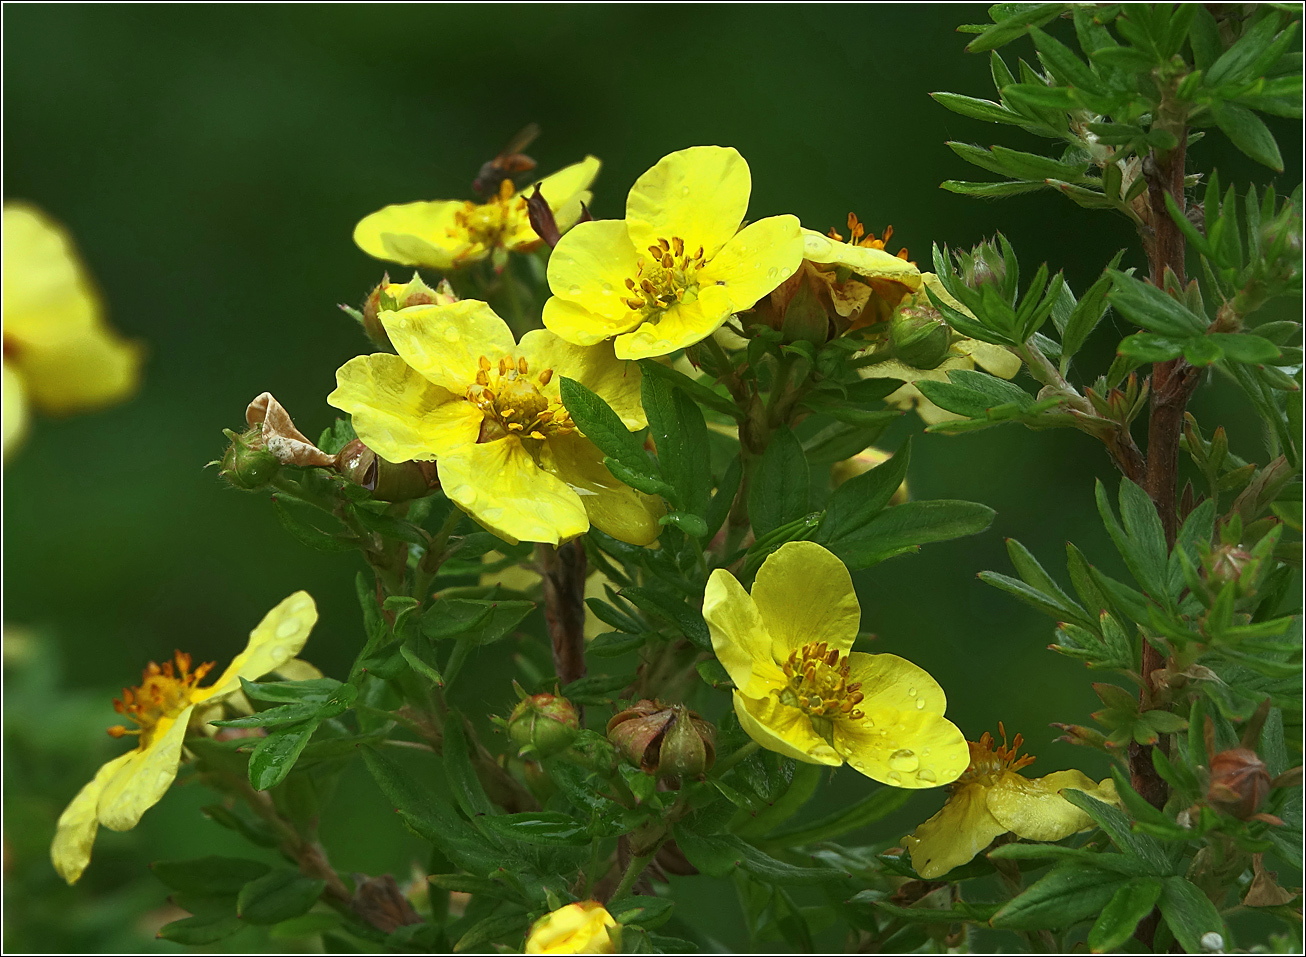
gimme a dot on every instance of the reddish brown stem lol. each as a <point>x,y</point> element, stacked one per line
<point>563,570</point>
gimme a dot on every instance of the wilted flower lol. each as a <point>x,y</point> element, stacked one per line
<point>670,273</point>
<point>161,708</point>
<point>991,798</point>
<point>669,740</point>
<point>799,690</point>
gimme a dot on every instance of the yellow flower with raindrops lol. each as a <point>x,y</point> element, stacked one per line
<point>162,707</point>
<point>801,691</point>
<point>992,798</point>
<point>678,266</point>
<point>584,927</point>
<point>488,411</point>
<point>447,234</point>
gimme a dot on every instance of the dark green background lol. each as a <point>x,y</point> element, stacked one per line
<point>212,162</point>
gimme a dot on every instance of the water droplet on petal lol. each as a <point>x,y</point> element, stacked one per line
<point>773,272</point>
<point>867,722</point>
<point>287,628</point>
<point>904,759</point>
<point>165,778</point>
<point>684,191</point>
<point>574,290</point>
<point>920,704</point>
<point>911,692</point>
<point>451,334</point>
<point>607,289</point>
<point>925,774</point>
<point>493,514</point>
<point>895,777</point>
<point>925,751</point>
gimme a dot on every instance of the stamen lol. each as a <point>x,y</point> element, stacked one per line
<point>522,366</point>
<point>545,376</point>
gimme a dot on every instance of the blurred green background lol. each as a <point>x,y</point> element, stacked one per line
<point>212,161</point>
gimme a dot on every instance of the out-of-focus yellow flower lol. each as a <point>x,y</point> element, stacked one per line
<point>800,692</point>
<point>446,234</point>
<point>60,356</point>
<point>991,798</point>
<point>861,463</point>
<point>161,707</point>
<point>963,353</point>
<point>677,266</point>
<point>488,411</point>
<point>581,928</point>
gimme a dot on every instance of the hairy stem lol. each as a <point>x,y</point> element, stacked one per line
<point>563,570</point>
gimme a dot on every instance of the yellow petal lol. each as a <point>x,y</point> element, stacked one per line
<point>995,359</point>
<point>615,381</point>
<point>445,342</point>
<point>14,410</point>
<point>276,640</point>
<point>47,294</point>
<point>908,749</point>
<point>499,485</point>
<point>782,729</point>
<point>931,282</point>
<point>1032,808</point>
<point>805,594</point>
<point>756,260</point>
<point>587,272</point>
<point>613,508</point>
<point>962,829</point>
<point>739,636</point>
<point>418,234</point>
<point>75,832</point>
<point>399,414</point>
<point>88,370</point>
<point>682,325</point>
<point>564,191</point>
<point>699,194</point>
<point>141,782</point>
<point>579,928</point>
<point>863,260</point>
<point>892,682</point>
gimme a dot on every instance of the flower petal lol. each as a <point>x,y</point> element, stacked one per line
<point>615,381</point>
<point>613,508</point>
<point>141,782</point>
<point>805,594</point>
<point>739,636</point>
<point>699,194</point>
<point>588,269</point>
<point>75,833</point>
<point>785,730</point>
<point>994,358</point>
<point>682,325</point>
<point>398,413</point>
<point>908,749</point>
<point>564,191</point>
<point>499,485</point>
<point>1033,808</point>
<point>13,409</point>
<point>756,260</point>
<point>962,829</point>
<point>863,260</point>
<point>892,682</point>
<point>418,234</point>
<point>445,342</point>
<point>80,372</point>
<point>275,640</point>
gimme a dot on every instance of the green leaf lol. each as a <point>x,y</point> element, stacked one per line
<point>697,390</point>
<point>315,690</point>
<point>458,771</point>
<point>1088,312</point>
<point>275,755</point>
<point>977,109</point>
<point>1189,914</point>
<point>1112,820</point>
<point>720,854</point>
<point>209,876</point>
<point>491,928</point>
<point>307,533</point>
<point>878,804</point>
<point>972,394</point>
<point>687,522</point>
<point>779,492</point>
<point>1236,63</point>
<point>991,190</point>
<point>685,617</point>
<point>1064,895</point>
<point>596,689</point>
<point>860,499</point>
<point>201,930</point>
<point>1064,65</point>
<point>480,622</point>
<point>680,434</point>
<point>1016,25</point>
<point>1129,905</point>
<point>605,429</point>
<point>1152,309</point>
<point>551,828</point>
<point>1141,542</point>
<point>719,508</point>
<point>642,910</point>
<point>1244,347</point>
<point>905,527</point>
<point>1149,347</point>
<point>1248,132</point>
<point>278,896</point>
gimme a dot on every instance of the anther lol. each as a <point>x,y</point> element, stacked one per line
<point>667,261</point>
<point>630,284</point>
<point>678,245</point>
<point>522,366</point>
<point>483,363</point>
<point>655,252</point>
<point>482,378</point>
<point>537,435</point>
<point>503,366</point>
<point>545,376</point>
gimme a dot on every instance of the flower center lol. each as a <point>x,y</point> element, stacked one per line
<point>668,277</point>
<point>164,692</point>
<point>513,405</point>
<point>485,224</point>
<point>818,683</point>
<point>985,759</point>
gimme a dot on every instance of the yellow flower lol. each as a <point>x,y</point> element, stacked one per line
<point>161,707</point>
<point>677,266</point>
<point>581,928</point>
<point>446,234</point>
<point>800,692</point>
<point>59,354</point>
<point>882,279</point>
<point>964,353</point>
<point>487,410</point>
<point>990,799</point>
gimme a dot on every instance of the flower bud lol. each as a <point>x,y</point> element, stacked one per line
<point>982,265</point>
<point>581,928</point>
<point>543,725</point>
<point>1228,564</point>
<point>391,297</point>
<point>668,740</point>
<point>919,336</point>
<point>246,464</point>
<point>861,463</point>
<point>1239,782</point>
<point>387,481</point>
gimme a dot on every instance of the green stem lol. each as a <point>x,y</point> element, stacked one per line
<point>633,870</point>
<point>726,764</point>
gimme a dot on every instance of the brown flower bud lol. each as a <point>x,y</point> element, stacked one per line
<point>542,219</point>
<point>543,724</point>
<point>1239,782</point>
<point>379,901</point>
<point>387,481</point>
<point>390,297</point>
<point>668,740</point>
